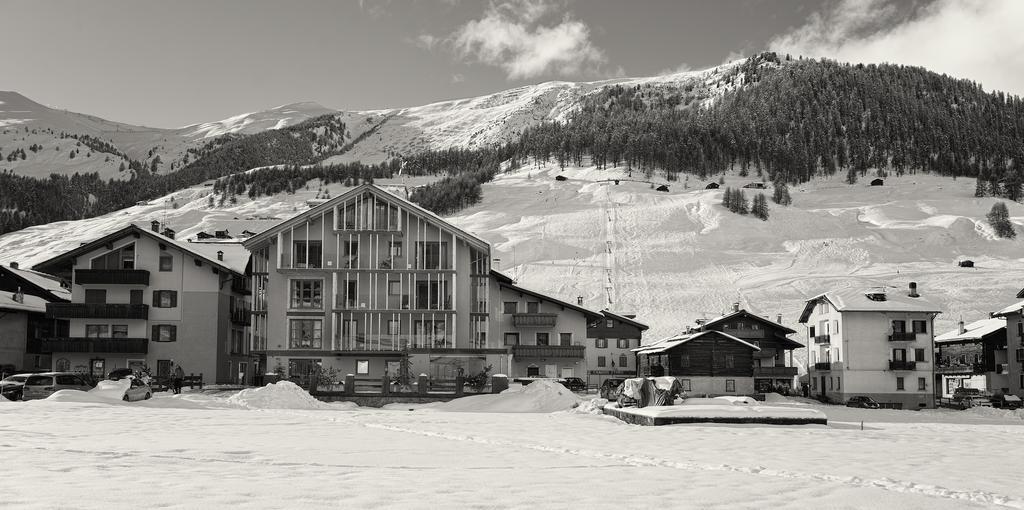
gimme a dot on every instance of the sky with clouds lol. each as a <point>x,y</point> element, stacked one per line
<point>169,64</point>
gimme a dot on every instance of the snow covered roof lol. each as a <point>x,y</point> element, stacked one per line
<point>627,320</point>
<point>669,343</point>
<point>29,304</point>
<point>1012,309</point>
<point>747,314</point>
<point>49,283</point>
<point>973,331</point>
<point>235,255</point>
<point>505,281</point>
<point>857,300</point>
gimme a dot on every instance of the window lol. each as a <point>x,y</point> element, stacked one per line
<point>165,333</point>
<point>919,355</point>
<point>509,307</point>
<point>601,343</point>
<point>394,287</point>
<point>305,334</point>
<point>822,307</point>
<point>165,298</point>
<point>831,383</point>
<point>532,307</point>
<point>363,366</point>
<point>95,295</point>
<point>730,361</point>
<point>121,258</point>
<point>166,262</point>
<point>623,360</point>
<point>922,384</point>
<point>533,371</point>
<point>899,326</point>
<point>307,253</point>
<point>811,332</point>
<point>63,365</point>
<point>565,339</point>
<point>237,341</point>
<point>394,327</point>
<point>135,296</point>
<point>542,339</point>
<point>97,331</point>
<point>622,343</point>
<point>899,383</point>
<point>730,385</point>
<point>899,355</point>
<point>685,383</point>
<point>432,255</point>
<point>119,331</point>
<point>396,249</point>
<point>350,253</point>
<point>601,361</point>
<point>307,294</point>
<point>511,338</point>
<point>814,383</point>
<point>839,383</point>
<point>609,323</point>
<point>920,326</point>
<point>684,361</point>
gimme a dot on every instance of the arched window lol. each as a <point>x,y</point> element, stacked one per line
<point>63,365</point>
<point>623,360</point>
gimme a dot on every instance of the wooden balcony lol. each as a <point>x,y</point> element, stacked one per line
<point>548,351</point>
<point>98,345</point>
<point>954,368</point>
<point>775,371</point>
<point>112,277</point>
<point>902,365</point>
<point>746,333</point>
<point>902,336</point>
<point>823,339</point>
<point>534,320</point>
<point>96,311</point>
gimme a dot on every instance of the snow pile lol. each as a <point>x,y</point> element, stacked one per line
<point>741,401</point>
<point>990,412</point>
<point>723,409</point>
<point>592,406</point>
<point>537,397</point>
<point>280,395</point>
<point>77,396</point>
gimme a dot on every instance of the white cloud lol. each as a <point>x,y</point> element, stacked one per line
<point>981,40</point>
<point>514,36</point>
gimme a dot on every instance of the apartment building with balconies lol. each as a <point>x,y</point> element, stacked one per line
<point>1014,315</point>
<point>362,281</point>
<point>875,342</point>
<point>972,356</point>
<point>139,298</point>
<point>610,341</point>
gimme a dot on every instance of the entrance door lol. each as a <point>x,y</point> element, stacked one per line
<point>242,368</point>
<point>568,372</point>
<point>823,386</point>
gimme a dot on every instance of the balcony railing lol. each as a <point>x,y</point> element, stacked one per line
<point>534,320</point>
<point>100,345</point>
<point>1019,354</point>
<point>902,336</point>
<point>96,311</point>
<point>823,339</point>
<point>960,368</point>
<point>548,351</point>
<point>774,371</point>
<point>822,365</point>
<point>902,365</point>
<point>241,317</point>
<point>241,285</point>
<point>746,332</point>
<point>112,277</point>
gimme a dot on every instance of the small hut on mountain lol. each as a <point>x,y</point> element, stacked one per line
<point>755,185</point>
<point>877,182</point>
<point>966,263</point>
<point>663,188</point>
<point>561,178</point>
<point>711,185</point>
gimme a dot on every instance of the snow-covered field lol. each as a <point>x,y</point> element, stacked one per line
<point>218,450</point>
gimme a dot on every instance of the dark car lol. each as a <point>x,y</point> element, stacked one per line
<point>1003,401</point>
<point>11,386</point>
<point>574,384</point>
<point>610,387</point>
<point>862,402</point>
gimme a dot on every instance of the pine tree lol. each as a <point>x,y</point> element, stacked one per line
<point>979,187</point>
<point>999,219</point>
<point>727,198</point>
<point>781,194</point>
<point>742,206</point>
<point>760,207</point>
<point>851,176</point>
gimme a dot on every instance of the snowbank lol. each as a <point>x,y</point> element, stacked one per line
<point>989,412</point>
<point>280,395</point>
<point>113,390</point>
<point>77,396</point>
<point>746,401</point>
<point>537,397</point>
<point>728,411</point>
<point>592,406</point>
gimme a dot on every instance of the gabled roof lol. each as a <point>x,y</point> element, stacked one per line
<point>973,331</point>
<point>856,300</point>
<point>47,283</point>
<point>746,314</point>
<point>28,304</point>
<point>136,229</point>
<point>627,320</point>
<point>672,342</point>
<point>505,281</point>
<point>1009,310</point>
<point>302,217</point>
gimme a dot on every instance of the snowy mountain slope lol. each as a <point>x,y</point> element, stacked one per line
<point>670,257</point>
<point>255,122</point>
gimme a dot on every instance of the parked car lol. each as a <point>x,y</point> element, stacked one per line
<point>610,387</point>
<point>969,402</point>
<point>1007,402</point>
<point>574,384</point>
<point>128,388</point>
<point>962,393</point>
<point>43,385</point>
<point>11,386</point>
<point>862,402</point>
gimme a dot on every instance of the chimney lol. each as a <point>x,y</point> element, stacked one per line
<point>220,255</point>
<point>14,265</point>
<point>579,300</point>
<point>913,290</point>
<point>961,326</point>
<point>778,319</point>
<point>736,307</point>
<point>155,226</point>
<point>169,233</point>
<point>18,297</point>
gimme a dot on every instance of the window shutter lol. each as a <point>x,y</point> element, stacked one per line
<point>156,298</point>
<point>174,298</point>
<point>156,333</point>
<point>174,333</point>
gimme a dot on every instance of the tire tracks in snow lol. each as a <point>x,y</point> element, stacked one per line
<point>884,483</point>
